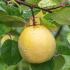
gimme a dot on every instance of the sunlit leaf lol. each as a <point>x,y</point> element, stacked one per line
<point>3,66</point>
<point>61,16</point>
<point>68,38</point>
<point>46,3</point>
<point>1,9</point>
<point>49,24</point>
<point>34,2</point>
<point>67,63</point>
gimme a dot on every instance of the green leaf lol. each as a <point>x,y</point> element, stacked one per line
<point>58,1</point>
<point>46,3</point>
<point>50,3</point>
<point>11,10</point>
<point>23,65</point>
<point>67,63</point>
<point>61,16</point>
<point>12,67</point>
<point>3,66</point>
<point>68,37</point>
<point>1,9</point>
<point>34,2</point>
<point>54,64</point>
<point>4,29</point>
<point>43,66</point>
<point>12,21</point>
<point>58,62</point>
<point>63,48</point>
<point>49,24</point>
<point>9,52</point>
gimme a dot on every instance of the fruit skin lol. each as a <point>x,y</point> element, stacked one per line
<point>36,44</point>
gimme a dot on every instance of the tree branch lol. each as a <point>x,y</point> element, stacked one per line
<point>32,6</point>
<point>47,9</point>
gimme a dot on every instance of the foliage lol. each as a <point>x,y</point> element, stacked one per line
<point>13,17</point>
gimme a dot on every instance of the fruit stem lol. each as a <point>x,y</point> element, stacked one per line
<point>33,16</point>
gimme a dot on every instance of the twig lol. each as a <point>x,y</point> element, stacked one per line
<point>47,9</point>
<point>26,4</point>
<point>58,32</point>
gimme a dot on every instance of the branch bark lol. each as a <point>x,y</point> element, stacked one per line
<point>47,9</point>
